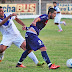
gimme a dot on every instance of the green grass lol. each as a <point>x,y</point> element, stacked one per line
<point>59,49</point>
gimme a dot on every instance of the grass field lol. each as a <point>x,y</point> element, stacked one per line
<point>59,49</point>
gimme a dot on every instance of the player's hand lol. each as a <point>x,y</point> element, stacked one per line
<point>13,14</point>
<point>34,23</point>
<point>24,28</point>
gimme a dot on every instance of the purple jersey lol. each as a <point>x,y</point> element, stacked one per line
<point>41,24</point>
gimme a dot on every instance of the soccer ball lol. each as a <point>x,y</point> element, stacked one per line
<point>69,63</point>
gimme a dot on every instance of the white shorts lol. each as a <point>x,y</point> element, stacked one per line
<point>57,18</point>
<point>9,40</point>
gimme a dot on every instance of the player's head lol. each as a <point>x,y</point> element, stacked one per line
<point>1,12</point>
<point>51,13</point>
<point>54,3</point>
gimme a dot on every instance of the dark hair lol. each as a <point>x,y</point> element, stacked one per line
<point>0,6</point>
<point>51,10</point>
<point>55,2</point>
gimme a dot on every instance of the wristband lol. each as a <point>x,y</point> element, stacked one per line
<point>27,28</point>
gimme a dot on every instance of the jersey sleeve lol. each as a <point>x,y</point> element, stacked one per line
<point>43,17</point>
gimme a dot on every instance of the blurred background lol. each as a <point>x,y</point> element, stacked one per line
<point>33,8</point>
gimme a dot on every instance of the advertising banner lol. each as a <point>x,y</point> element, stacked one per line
<point>65,8</point>
<point>19,8</point>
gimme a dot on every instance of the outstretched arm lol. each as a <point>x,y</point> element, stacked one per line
<point>4,21</point>
<point>19,21</point>
<point>35,20</point>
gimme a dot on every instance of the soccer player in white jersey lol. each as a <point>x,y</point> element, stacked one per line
<point>58,17</point>
<point>11,35</point>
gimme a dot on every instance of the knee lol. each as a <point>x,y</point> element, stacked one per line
<point>23,46</point>
<point>43,49</point>
<point>1,50</point>
<point>29,51</point>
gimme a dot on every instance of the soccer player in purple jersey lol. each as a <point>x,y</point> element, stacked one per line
<point>32,40</point>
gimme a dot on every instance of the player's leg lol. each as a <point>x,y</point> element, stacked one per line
<point>38,44</point>
<point>5,43</point>
<point>63,22</point>
<point>57,22</point>
<point>2,49</point>
<point>31,54</point>
<point>21,43</point>
<point>47,60</point>
<point>60,28</point>
<point>24,55</point>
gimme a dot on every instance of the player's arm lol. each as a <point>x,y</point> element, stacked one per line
<point>4,20</point>
<point>36,20</point>
<point>21,23</point>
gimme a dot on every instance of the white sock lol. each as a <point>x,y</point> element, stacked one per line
<point>49,64</point>
<point>59,26</point>
<point>19,62</point>
<point>61,22</point>
<point>33,57</point>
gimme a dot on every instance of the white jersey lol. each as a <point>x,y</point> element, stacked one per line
<point>9,28</point>
<point>10,33</point>
<point>58,15</point>
<point>57,10</point>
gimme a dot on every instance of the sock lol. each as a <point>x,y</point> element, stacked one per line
<point>46,58</point>
<point>33,57</point>
<point>61,22</point>
<point>19,63</point>
<point>59,27</point>
<point>49,65</point>
<point>24,55</point>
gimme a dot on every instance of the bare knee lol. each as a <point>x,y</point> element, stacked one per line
<point>2,48</point>
<point>29,51</point>
<point>43,49</point>
<point>23,45</point>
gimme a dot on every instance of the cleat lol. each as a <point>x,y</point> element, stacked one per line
<point>64,23</point>
<point>41,63</point>
<point>1,58</point>
<point>20,65</point>
<point>60,30</point>
<point>53,66</point>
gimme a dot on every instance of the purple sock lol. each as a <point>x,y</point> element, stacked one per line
<point>24,55</point>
